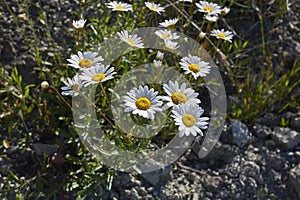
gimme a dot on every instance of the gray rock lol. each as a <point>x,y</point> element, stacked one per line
<point>294,179</point>
<point>41,149</point>
<point>261,131</point>
<point>286,137</point>
<point>269,119</point>
<point>159,176</point>
<point>295,123</point>
<point>240,133</point>
<point>220,152</point>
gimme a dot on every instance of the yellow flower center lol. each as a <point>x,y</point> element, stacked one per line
<point>166,36</point>
<point>86,63</point>
<point>143,103</point>
<point>194,67</point>
<point>188,120</point>
<point>98,77</point>
<point>130,41</point>
<point>120,8</point>
<point>178,98</point>
<point>154,8</point>
<point>208,9</point>
<point>221,35</point>
<point>74,87</point>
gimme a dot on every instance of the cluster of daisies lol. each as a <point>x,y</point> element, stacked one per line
<point>144,101</point>
<point>183,101</point>
<point>211,11</point>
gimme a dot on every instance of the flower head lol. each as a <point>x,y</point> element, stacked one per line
<point>202,35</point>
<point>97,74</point>
<point>169,23</point>
<point>222,34</point>
<point>209,8</point>
<point>166,35</point>
<point>155,7</point>
<point>79,24</point>
<point>143,102</point>
<point>225,11</point>
<point>179,95</point>
<point>187,117</point>
<point>171,45</point>
<point>132,40</point>
<point>45,84</point>
<point>119,6</point>
<point>195,66</point>
<point>72,86</point>
<point>84,60</point>
<point>211,18</point>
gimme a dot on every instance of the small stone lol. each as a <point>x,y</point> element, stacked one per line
<point>294,179</point>
<point>41,149</point>
<point>159,176</point>
<point>240,133</point>
<point>196,196</point>
<point>261,131</point>
<point>295,123</point>
<point>270,144</point>
<point>286,137</point>
<point>22,16</point>
<point>270,120</point>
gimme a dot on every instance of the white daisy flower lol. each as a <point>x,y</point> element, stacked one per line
<point>119,6</point>
<point>166,35</point>
<point>155,7</point>
<point>187,117</point>
<point>143,102</point>
<point>157,63</point>
<point>84,60</point>
<point>72,86</point>
<point>195,66</point>
<point>211,18</point>
<point>169,23</point>
<point>132,40</point>
<point>225,11</point>
<point>171,45</point>
<point>79,24</point>
<point>179,94</point>
<point>209,8</point>
<point>97,74</point>
<point>222,34</point>
<point>159,55</point>
<point>202,35</point>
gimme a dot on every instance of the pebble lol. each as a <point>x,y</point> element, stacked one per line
<point>294,179</point>
<point>240,133</point>
<point>285,137</point>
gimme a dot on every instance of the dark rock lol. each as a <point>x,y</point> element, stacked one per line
<point>158,177</point>
<point>8,51</point>
<point>41,149</point>
<point>286,137</point>
<point>261,131</point>
<point>295,123</point>
<point>222,152</point>
<point>269,119</point>
<point>294,179</point>
<point>240,133</point>
<point>270,144</point>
